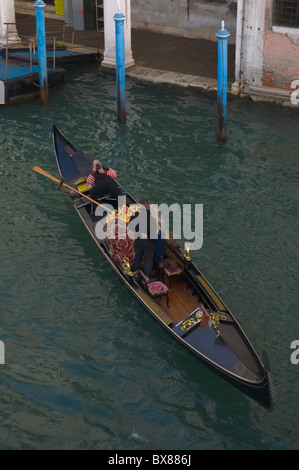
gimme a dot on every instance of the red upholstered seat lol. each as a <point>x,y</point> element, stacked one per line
<point>121,245</point>
<point>120,249</point>
<point>155,289</point>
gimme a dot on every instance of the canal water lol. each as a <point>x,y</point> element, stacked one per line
<point>87,368</point>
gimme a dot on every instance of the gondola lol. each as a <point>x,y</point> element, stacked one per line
<point>184,302</point>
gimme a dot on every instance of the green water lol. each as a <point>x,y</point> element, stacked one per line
<point>87,368</point>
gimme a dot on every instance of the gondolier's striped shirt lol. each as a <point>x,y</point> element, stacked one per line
<point>109,172</point>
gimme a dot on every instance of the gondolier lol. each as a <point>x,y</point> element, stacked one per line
<point>107,171</point>
<point>103,180</point>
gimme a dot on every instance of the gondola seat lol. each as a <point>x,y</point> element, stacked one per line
<point>121,249</point>
<point>121,245</point>
<point>155,289</point>
<point>171,270</point>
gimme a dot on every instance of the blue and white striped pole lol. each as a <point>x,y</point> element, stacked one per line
<point>119,19</point>
<point>222,36</point>
<point>41,47</point>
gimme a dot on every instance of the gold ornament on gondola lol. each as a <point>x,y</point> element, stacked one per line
<point>187,252</point>
<point>126,267</point>
<point>215,323</point>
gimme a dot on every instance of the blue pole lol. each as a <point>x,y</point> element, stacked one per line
<point>41,47</point>
<point>119,19</point>
<point>222,36</point>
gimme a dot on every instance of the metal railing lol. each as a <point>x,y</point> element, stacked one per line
<point>32,42</point>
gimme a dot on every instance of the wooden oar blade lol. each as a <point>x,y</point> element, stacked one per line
<point>45,173</point>
<point>48,175</point>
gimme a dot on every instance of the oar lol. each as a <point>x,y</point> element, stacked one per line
<point>48,175</point>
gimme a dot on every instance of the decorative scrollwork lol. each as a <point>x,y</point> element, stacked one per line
<point>187,324</point>
<point>215,319</point>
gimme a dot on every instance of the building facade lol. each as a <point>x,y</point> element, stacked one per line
<point>267,49</point>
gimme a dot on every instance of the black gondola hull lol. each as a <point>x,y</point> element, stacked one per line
<point>231,356</point>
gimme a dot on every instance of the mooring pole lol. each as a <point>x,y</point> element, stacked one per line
<point>222,36</point>
<point>41,48</point>
<point>119,19</point>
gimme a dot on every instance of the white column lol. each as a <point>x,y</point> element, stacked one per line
<point>68,12</point>
<point>110,8</point>
<point>249,43</point>
<point>7,15</point>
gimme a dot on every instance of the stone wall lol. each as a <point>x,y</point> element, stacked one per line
<point>187,18</point>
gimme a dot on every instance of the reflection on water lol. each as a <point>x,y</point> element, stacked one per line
<point>86,368</point>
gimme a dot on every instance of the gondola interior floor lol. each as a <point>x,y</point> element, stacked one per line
<point>181,301</point>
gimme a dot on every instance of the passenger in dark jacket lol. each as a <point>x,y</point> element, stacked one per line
<point>145,242</point>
